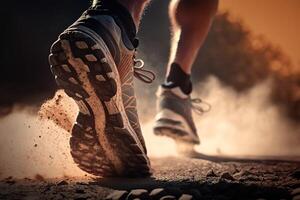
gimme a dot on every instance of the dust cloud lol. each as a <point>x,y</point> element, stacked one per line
<point>239,124</point>
<point>29,147</point>
<point>245,123</point>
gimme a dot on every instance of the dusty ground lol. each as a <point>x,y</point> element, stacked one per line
<point>173,178</point>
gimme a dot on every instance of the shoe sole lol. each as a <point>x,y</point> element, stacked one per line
<point>175,134</point>
<point>102,143</point>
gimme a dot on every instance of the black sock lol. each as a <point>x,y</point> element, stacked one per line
<point>178,78</point>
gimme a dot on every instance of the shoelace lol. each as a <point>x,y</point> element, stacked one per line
<point>139,72</point>
<point>147,76</point>
<point>200,106</point>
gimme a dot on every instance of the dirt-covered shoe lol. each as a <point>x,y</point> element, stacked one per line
<point>93,61</point>
<point>174,115</point>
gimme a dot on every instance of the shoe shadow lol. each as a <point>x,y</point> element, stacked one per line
<point>207,189</point>
<point>241,159</point>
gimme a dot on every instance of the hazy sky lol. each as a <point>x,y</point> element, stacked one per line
<point>278,20</point>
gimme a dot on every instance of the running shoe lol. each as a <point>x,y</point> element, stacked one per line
<point>174,115</point>
<point>93,60</point>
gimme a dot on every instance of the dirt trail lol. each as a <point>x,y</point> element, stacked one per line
<point>172,176</point>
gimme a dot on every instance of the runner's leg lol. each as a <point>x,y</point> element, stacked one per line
<point>190,23</point>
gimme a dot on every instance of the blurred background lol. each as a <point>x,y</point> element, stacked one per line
<point>249,42</point>
<point>248,69</point>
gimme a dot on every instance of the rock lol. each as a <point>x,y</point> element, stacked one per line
<point>227,176</point>
<point>117,195</point>
<point>186,197</point>
<point>138,194</point>
<point>62,183</point>
<point>162,192</point>
<point>168,197</point>
<point>158,193</point>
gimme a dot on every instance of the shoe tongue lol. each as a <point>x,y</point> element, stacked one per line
<point>121,15</point>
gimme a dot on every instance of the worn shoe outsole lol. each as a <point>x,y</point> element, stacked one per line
<point>102,143</point>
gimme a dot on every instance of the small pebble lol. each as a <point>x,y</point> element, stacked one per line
<point>186,197</point>
<point>138,194</point>
<point>157,193</point>
<point>117,195</point>
<point>169,197</point>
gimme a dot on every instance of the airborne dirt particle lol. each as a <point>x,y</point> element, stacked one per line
<point>62,110</point>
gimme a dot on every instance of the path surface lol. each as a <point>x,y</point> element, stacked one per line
<point>173,178</point>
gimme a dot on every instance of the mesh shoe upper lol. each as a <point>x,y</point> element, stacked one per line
<point>116,28</point>
<point>128,95</point>
<point>175,114</point>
